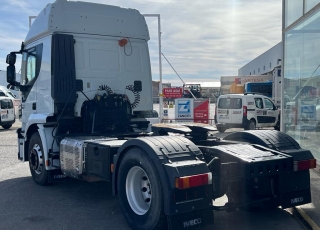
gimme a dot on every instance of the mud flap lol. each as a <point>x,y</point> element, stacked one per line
<point>191,220</point>
<point>295,198</point>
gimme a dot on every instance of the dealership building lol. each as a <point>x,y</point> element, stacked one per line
<point>301,72</point>
<point>298,55</point>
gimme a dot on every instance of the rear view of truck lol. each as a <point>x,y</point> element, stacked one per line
<point>87,114</point>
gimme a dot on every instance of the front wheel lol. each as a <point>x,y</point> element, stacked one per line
<point>221,129</point>
<point>6,126</point>
<point>140,191</point>
<point>37,161</point>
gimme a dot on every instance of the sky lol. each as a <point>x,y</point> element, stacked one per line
<point>202,39</point>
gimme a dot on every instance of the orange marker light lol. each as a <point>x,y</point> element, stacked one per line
<point>193,181</point>
<point>123,42</point>
<point>304,165</point>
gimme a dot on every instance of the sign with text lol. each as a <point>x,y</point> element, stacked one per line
<point>307,114</point>
<point>184,109</point>
<point>201,111</point>
<point>172,92</point>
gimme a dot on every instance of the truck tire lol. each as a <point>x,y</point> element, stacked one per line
<point>6,126</point>
<point>251,125</point>
<point>36,161</point>
<point>140,191</point>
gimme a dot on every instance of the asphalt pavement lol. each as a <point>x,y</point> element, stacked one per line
<point>310,213</point>
<point>73,204</point>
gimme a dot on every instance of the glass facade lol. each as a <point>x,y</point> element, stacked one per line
<point>293,11</point>
<point>301,78</point>
<point>309,4</point>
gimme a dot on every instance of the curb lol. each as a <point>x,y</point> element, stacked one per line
<point>303,218</point>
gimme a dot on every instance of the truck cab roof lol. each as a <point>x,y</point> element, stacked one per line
<point>88,18</point>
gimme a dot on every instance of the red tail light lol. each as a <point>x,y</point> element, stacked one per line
<point>244,110</point>
<point>304,165</point>
<point>193,181</point>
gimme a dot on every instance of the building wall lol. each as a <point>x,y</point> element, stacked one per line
<point>263,64</point>
<point>301,73</point>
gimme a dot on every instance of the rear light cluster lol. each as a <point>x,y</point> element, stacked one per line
<point>193,181</point>
<point>304,165</point>
<point>245,110</point>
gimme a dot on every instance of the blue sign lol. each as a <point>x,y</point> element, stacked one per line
<point>308,111</point>
<point>184,108</point>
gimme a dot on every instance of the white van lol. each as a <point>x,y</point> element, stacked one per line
<point>246,111</point>
<point>7,116</point>
<point>14,96</point>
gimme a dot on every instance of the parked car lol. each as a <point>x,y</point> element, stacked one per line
<point>14,95</point>
<point>7,115</point>
<point>247,111</point>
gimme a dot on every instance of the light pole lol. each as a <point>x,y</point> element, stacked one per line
<point>160,63</point>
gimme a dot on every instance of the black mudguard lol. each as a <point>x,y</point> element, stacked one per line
<point>173,156</point>
<point>293,186</point>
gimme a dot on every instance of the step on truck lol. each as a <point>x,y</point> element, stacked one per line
<point>87,114</point>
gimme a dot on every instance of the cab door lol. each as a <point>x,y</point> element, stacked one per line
<point>260,111</point>
<point>29,72</point>
<point>271,112</point>
<point>223,110</point>
<point>236,111</point>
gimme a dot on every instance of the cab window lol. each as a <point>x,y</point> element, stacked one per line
<point>10,104</point>
<point>268,103</point>
<point>259,103</point>
<point>5,104</point>
<point>29,72</point>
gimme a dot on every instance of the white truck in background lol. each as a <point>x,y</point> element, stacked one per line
<point>87,113</point>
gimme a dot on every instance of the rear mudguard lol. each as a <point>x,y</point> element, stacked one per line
<point>173,157</point>
<point>294,186</point>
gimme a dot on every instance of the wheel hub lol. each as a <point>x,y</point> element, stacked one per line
<point>138,190</point>
<point>36,159</point>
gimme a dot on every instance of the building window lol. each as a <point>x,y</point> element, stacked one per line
<point>293,11</point>
<point>264,68</point>
<point>254,72</point>
<point>258,70</point>
<point>309,4</point>
<point>270,65</point>
<point>250,73</point>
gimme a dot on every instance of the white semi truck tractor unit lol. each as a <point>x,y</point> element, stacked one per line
<point>87,114</point>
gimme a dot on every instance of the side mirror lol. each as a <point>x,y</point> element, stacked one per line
<point>11,74</point>
<point>11,59</point>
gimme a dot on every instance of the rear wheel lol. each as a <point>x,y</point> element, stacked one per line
<point>140,191</point>
<point>221,129</point>
<point>251,125</point>
<point>6,126</point>
<point>37,161</point>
